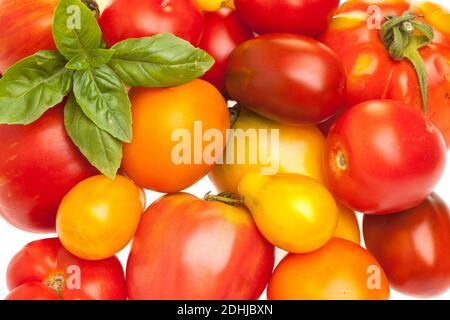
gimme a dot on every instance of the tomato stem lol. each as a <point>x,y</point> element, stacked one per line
<point>234,114</point>
<point>93,6</point>
<point>229,198</point>
<point>56,282</point>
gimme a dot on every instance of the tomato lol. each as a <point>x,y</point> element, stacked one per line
<point>214,5</point>
<point>38,166</point>
<point>412,246</point>
<point>124,19</point>
<point>347,227</point>
<point>288,78</point>
<point>373,74</point>
<point>170,151</point>
<point>294,212</point>
<point>44,270</point>
<point>187,248</point>
<point>223,32</point>
<point>18,42</point>
<point>383,156</point>
<point>340,270</point>
<point>99,216</point>
<point>307,17</point>
<point>280,149</point>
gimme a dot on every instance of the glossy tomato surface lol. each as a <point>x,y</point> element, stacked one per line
<point>412,246</point>
<point>124,19</point>
<point>38,165</point>
<point>307,17</point>
<point>187,248</point>
<point>287,78</point>
<point>383,156</point>
<point>223,32</point>
<point>43,269</point>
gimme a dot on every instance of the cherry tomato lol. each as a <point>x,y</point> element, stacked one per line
<point>412,246</point>
<point>168,149</point>
<point>187,248</point>
<point>288,78</point>
<point>307,17</point>
<point>44,270</point>
<point>222,34</point>
<point>124,19</point>
<point>38,165</point>
<point>293,212</point>
<point>340,270</point>
<point>383,156</point>
<point>99,216</point>
<point>373,74</point>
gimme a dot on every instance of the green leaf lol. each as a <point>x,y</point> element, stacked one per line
<point>101,149</point>
<point>159,61</point>
<point>32,86</point>
<point>94,58</point>
<point>75,29</point>
<point>78,62</point>
<point>104,99</point>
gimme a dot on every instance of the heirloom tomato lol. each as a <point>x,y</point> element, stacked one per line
<point>383,156</point>
<point>412,246</point>
<point>44,270</point>
<point>188,248</point>
<point>288,78</point>
<point>340,270</point>
<point>39,164</point>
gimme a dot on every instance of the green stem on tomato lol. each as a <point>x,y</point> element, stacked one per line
<point>229,198</point>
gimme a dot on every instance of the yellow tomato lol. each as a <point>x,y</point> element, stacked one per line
<point>99,216</point>
<point>214,5</point>
<point>296,149</point>
<point>293,212</point>
<point>347,227</point>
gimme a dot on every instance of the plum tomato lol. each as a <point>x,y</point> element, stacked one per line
<point>348,226</point>
<point>124,19</point>
<point>294,212</point>
<point>383,156</point>
<point>340,270</point>
<point>223,32</point>
<point>99,216</point>
<point>288,78</point>
<point>170,135</point>
<point>412,246</point>
<point>188,248</point>
<point>39,164</point>
<point>44,270</point>
<point>307,17</point>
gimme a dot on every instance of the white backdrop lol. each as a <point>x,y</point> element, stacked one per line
<point>12,239</point>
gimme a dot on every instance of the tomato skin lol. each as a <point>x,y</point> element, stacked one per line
<point>124,19</point>
<point>157,114</point>
<point>223,32</point>
<point>347,226</point>
<point>383,156</point>
<point>38,261</point>
<point>412,246</point>
<point>17,42</point>
<point>38,165</point>
<point>337,271</point>
<point>307,17</point>
<point>187,248</point>
<point>260,76</point>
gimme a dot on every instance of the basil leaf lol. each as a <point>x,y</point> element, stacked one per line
<point>101,149</point>
<point>104,100</point>
<point>78,62</point>
<point>159,61</point>
<point>75,29</point>
<point>94,58</point>
<point>32,86</point>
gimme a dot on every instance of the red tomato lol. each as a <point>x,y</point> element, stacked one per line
<point>26,28</point>
<point>373,74</point>
<point>383,156</point>
<point>413,247</point>
<point>187,248</point>
<point>307,17</point>
<point>223,32</point>
<point>43,269</point>
<point>124,19</point>
<point>38,165</point>
<point>287,78</point>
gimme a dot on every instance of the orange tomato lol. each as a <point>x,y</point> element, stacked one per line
<point>347,227</point>
<point>339,270</point>
<point>163,121</point>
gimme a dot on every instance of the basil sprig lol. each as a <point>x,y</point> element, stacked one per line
<point>97,114</point>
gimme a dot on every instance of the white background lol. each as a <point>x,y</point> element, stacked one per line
<point>12,239</point>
